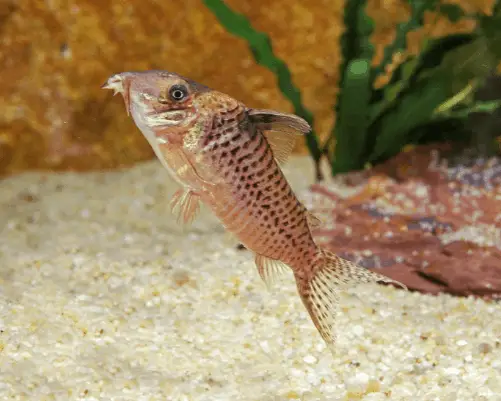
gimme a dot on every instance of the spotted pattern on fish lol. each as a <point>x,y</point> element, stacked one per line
<point>258,204</point>
<point>228,156</point>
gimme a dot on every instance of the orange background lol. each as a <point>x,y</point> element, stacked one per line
<point>56,54</point>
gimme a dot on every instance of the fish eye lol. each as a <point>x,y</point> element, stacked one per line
<point>178,92</point>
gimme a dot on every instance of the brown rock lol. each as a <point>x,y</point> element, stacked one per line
<point>467,269</point>
<point>412,278</point>
<point>426,201</point>
<point>56,54</point>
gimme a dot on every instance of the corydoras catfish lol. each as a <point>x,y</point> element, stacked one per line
<point>228,156</point>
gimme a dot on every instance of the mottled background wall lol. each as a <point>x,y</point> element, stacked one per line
<point>55,54</point>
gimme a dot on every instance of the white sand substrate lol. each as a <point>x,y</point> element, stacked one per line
<point>103,296</point>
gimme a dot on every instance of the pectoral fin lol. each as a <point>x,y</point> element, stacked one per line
<point>185,204</point>
<point>182,166</point>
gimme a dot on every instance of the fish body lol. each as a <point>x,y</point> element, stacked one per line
<point>228,156</point>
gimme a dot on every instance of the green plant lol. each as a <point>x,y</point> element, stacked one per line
<point>430,91</point>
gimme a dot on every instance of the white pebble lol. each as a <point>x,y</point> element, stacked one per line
<point>358,330</point>
<point>265,346</point>
<point>357,383</point>
<point>452,371</point>
<point>310,359</point>
<point>375,397</point>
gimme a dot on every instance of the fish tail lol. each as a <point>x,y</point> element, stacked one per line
<point>319,286</point>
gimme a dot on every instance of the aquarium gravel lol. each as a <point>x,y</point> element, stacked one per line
<point>103,296</point>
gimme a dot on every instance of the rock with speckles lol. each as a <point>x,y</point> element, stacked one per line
<point>420,219</point>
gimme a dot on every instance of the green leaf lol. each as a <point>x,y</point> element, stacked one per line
<point>355,39</point>
<point>464,97</point>
<point>474,60</point>
<point>489,27</point>
<point>392,89</point>
<point>415,21</point>
<point>477,107</point>
<point>414,70</point>
<point>355,43</point>
<point>413,109</point>
<point>496,8</point>
<point>452,11</point>
<point>260,45</point>
<point>352,122</point>
<point>437,49</point>
<point>440,130</point>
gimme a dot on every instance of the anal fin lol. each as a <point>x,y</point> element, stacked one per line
<point>270,269</point>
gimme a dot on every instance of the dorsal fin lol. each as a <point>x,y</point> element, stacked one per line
<point>269,120</point>
<point>280,130</point>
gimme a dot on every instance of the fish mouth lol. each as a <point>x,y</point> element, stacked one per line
<point>165,118</point>
<point>119,83</point>
<point>114,83</point>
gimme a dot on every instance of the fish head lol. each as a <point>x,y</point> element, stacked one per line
<point>157,99</point>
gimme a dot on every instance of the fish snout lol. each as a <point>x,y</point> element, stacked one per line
<point>119,84</point>
<point>115,82</point>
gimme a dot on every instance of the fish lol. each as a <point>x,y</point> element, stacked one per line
<point>230,157</point>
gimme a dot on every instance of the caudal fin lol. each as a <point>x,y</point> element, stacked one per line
<point>318,288</point>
